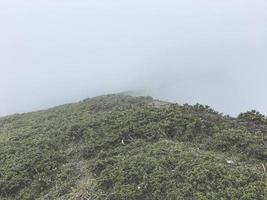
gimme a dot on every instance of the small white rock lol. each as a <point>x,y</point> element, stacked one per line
<point>230,162</point>
<point>138,187</point>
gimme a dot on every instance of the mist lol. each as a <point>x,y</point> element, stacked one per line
<point>208,52</point>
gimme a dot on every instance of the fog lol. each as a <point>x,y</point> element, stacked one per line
<point>59,51</point>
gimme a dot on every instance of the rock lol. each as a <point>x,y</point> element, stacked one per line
<point>230,161</point>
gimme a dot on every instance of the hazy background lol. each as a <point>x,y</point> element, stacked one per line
<point>208,51</point>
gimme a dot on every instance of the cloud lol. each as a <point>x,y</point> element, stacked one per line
<point>211,52</point>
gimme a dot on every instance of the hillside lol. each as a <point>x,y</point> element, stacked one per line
<point>119,147</point>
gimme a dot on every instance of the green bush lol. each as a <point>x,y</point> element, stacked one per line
<point>123,147</point>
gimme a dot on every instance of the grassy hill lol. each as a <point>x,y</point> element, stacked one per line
<point>119,147</point>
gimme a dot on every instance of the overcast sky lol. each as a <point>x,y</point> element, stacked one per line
<point>208,51</point>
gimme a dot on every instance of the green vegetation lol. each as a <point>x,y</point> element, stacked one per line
<point>253,116</point>
<point>116,147</point>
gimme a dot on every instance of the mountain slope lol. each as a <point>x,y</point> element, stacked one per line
<point>123,147</point>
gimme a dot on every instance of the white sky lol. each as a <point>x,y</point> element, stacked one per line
<point>207,51</point>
